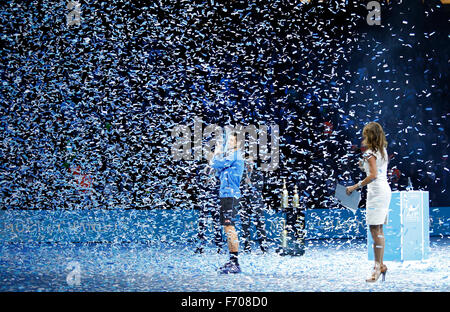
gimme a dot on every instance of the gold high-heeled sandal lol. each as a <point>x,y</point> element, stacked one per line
<point>383,270</point>
<point>375,274</point>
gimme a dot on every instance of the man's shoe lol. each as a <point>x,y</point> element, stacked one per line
<point>199,250</point>
<point>230,268</point>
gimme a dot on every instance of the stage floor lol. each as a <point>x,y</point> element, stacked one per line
<point>327,266</point>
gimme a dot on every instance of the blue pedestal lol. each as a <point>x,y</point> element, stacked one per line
<point>407,232</point>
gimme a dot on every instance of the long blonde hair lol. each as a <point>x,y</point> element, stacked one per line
<point>374,137</point>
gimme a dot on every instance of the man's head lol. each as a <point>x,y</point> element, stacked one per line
<point>233,142</point>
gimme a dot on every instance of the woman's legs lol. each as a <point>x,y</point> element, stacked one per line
<point>378,242</point>
<point>382,242</point>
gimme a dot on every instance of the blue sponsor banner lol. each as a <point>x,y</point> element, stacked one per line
<point>174,226</point>
<point>154,225</point>
<point>335,223</point>
<point>439,221</point>
<point>94,225</point>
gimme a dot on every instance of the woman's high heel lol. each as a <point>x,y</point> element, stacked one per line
<point>383,271</point>
<point>375,274</point>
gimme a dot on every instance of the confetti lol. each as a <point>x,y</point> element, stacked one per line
<point>87,109</point>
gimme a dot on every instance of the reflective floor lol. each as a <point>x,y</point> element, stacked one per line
<point>327,266</point>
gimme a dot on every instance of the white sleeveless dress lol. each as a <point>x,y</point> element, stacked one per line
<point>378,191</point>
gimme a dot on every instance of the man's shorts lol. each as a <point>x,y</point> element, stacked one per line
<point>228,210</point>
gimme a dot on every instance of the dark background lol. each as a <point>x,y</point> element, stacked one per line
<point>104,95</point>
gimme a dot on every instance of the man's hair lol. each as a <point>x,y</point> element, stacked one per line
<point>238,142</point>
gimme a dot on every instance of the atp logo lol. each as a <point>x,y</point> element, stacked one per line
<point>412,213</point>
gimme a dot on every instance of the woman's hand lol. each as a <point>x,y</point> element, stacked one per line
<point>350,189</point>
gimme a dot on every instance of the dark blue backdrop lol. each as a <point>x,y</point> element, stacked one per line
<point>86,109</point>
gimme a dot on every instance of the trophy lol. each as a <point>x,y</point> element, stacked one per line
<point>295,199</point>
<point>284,206</point>
<point>292,224</point>
<point>284,196</point>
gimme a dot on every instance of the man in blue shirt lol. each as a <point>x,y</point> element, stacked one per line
<point>229,166</point>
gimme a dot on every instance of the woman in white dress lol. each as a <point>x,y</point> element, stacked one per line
<point>375,163</point>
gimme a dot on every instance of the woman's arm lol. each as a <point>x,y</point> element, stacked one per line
<point>372,175</point>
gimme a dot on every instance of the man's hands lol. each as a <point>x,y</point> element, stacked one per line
<point>218,151</point>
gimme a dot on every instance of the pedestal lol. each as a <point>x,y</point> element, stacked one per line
<point>292,236</point>
<point>407,232</point>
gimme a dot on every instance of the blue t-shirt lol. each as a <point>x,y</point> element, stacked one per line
<point>229,169</point>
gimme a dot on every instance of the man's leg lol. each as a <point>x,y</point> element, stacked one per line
<point>232,238</point>
<point>228,215</point>
<point>233,243</point>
